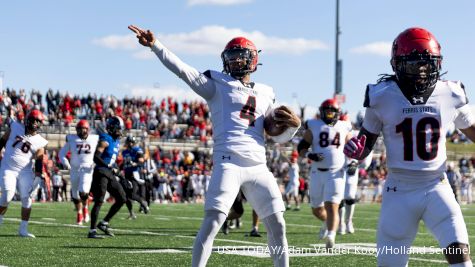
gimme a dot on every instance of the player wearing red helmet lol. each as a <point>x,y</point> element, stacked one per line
<point>81,146</point>
<point>238,107</point>
<point>22,145</point>
<point>413,109</point>
<point>325,136</point>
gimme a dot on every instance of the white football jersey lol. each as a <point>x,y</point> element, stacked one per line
<point>21,148</point>
<point>414,132</point>
<point>294,174</point>
<point>82,151</point>
<point>237,110</point>
<point>329,141</point>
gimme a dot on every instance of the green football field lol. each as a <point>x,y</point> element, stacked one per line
<point>165,238</point>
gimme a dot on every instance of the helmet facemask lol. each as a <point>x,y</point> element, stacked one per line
<point>33,125</point>
<point>239,61</point>
<point>329,115</point>
<point>82,132</point>
<point>417,72</point>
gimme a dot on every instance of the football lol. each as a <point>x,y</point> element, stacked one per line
<point>270,126</point>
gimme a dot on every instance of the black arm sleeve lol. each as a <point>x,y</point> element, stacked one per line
<point>39,165</point>
<point>303,145</point>
<point>98,160</point>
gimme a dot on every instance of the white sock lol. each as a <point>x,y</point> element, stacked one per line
<point>278,247</point>
<point>24,226</point>
<point>331,234</point>
<point>203,245</point>
<point>342,215</point>
<point>350,210</point>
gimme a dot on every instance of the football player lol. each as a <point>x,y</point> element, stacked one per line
<point>81,146</point>
<point>134,160</point>
<point>292,188</point>
<point>104,176</point>
<point>238,107</point>
<point>326,136</point>
<point>413,109</point>
<point>22,145</point>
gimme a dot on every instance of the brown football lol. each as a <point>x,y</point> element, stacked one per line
<point>270,126</point>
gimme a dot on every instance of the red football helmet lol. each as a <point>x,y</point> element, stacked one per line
<point>34,120</point>
<point>416,60</point>
<point>330,111</point>
<point>82,129</point>
<point>239,57</point>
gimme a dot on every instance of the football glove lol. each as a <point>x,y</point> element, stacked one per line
<point>315,156</point>
<point>354,147</point>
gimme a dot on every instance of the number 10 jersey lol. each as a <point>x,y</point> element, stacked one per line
<point>415,129</point>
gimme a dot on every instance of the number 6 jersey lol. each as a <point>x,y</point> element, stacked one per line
<point>414,128</point>
<point>20,148</point>
<point>82,151</point>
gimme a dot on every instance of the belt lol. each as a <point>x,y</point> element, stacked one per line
<point>323,169</point>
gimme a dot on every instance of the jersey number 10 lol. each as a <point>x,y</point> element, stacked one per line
<point>423,151</point>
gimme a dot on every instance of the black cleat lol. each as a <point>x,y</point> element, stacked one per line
<point>94,235</point>
<point>105,228</point>
<point>225,228</point>
<point>255,233</point>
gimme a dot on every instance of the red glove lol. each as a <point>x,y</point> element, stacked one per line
<point>354,148</point>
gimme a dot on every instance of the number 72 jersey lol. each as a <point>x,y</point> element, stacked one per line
<point>82,151</point>
<point>414,128</point>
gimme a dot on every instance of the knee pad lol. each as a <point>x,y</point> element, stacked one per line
<point>342,204</point>
<point>457,253</point>
<point>350,201</point>
<point>26,202</point>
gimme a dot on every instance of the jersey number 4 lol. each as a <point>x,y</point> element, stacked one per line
<point>25,146</point>
<point>425,150</point>
<point>248,112</point>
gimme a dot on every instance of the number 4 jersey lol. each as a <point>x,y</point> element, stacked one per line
<point>414,128</point>
<point>21,148</point>
<point>82,150</point>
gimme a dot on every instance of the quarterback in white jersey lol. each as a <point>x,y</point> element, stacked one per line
<point>326,136</point>
<point>82,146</point>
<point>413,109</point>
<point>238,107</point>
<point>22,145</point>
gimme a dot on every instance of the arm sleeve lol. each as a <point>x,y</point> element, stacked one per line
<point>98,160</point>
<point>62,155</point>
<point>201,84</point>
<point>464,118</point>
<point>371,121</point>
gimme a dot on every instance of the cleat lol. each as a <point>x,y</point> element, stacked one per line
<point>238,223</point>
<point>255,233</point>
<point>297,208</point>
<point>94,234</point>
<point>349,228</point>
<point>105,228</point>
<point>341,230</point>
<point>225,228</point>
<point>323,233</point>
<point>26,234</point>
<point>231,224</point>
<point>329,242</point>
<point>79,219</point>
<point>132,217</point>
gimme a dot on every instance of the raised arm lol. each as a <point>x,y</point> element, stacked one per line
<point>199,82</point>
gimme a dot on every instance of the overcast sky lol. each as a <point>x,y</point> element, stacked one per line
<point>85,46</point>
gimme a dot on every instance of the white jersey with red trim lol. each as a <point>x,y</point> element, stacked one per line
<point>237,109</point>
<point>21,148</point>
<point>82,150</point>
<point>329,141</point>
<point>414,128</point>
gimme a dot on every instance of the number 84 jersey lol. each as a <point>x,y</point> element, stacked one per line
<point>414,128</point>
<point>82,150</point>
<point>20,148</point>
